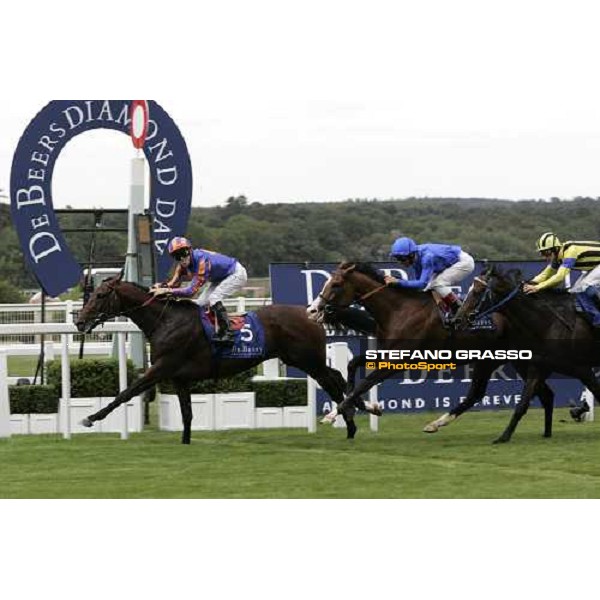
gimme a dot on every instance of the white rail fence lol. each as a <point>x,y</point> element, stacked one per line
<point>67,312</point>
<point>65,331</point>
<point>337,354</point>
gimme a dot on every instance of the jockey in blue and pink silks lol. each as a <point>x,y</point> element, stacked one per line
<point>437,268</point>
<point>221,275</point>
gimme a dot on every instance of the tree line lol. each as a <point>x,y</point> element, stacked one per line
<point>356,229</point>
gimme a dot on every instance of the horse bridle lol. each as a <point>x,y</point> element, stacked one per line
<point>358,300</point>
<point>103,317</point>
<point>487,297</point>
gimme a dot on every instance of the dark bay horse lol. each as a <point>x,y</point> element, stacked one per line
<point>181,352</point>
<point>562,340</point>
<point>408,318</point>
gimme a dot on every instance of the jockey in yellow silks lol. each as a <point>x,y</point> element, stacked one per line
<point>562,257</point>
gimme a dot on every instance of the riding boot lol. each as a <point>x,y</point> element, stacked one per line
<point>451,303</point>
<point>225,335</point>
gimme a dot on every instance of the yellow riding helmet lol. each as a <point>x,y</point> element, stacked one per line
<point>547,241</point>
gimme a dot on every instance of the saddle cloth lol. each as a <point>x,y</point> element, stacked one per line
<point>249,336</point>
<point>482,324</point>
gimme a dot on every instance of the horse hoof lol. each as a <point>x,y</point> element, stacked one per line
<point>86,422</point>
<point>500,441</point>
<point>329,418</point>
<point>376,409</point>
<point>431,428</point>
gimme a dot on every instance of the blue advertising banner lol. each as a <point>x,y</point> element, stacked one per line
<point>42,241</point>
<point>300,283</point>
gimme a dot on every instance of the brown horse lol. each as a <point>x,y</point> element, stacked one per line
<point>407,318</point>
<point>180,351</point>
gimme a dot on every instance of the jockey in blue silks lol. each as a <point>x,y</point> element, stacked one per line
<point>437,267</point>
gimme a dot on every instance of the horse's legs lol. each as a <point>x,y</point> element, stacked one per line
<point>482,372</point>
<point>185,404</point>
<point>152,376</point>
<point>353,366</point>
<point>588,379</point>
<point>372,379</point>
<point>333,383</point>
<point>546,396</point>
<point>534,381</point>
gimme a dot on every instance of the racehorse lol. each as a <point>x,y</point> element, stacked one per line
<point>408,318</point>
<point>547,322</point>
<point>181,352</point>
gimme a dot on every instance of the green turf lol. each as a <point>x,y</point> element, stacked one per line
<point>398,462</point>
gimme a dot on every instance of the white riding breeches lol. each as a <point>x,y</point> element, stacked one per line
<point>216,292</point>
<point>454,274</point>
<point>586,280</point>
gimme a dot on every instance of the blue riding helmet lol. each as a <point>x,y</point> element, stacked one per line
<point>403,247</point>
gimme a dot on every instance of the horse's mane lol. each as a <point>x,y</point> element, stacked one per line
<point>370,271</point>
<point>367,269</point>
<point>139,286</point>
<point>511,276</point>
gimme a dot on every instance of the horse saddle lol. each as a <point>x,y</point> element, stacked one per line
<point>587,305</point>
<point>236,322</point>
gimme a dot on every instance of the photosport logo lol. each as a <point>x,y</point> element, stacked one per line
<point>428,361</point>
<point>41,239</point>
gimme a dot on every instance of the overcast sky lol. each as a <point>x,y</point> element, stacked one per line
<point>322,100</point>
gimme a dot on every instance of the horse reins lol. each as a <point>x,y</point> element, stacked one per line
<point>509,297</point>
<point>361,298</point>
<point>103,317</point>
<point>371,293</point>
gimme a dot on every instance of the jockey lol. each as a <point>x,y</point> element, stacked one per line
<point>437,267</point>
<point>222,275</point>
<point>561,258</point>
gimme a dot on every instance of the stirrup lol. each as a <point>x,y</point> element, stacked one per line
<point>227,338</point>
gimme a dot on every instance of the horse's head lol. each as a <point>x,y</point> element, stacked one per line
<point>103,304</point>
<point>488,289</point>
<point>338,292</point>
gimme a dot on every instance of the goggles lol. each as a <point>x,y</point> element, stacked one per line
<point>179,255</point>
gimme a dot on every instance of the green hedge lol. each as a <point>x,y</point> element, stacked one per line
<point>268,393</point>
<point>91,377</point>
<point>242,382</point>
<point>280,393</point>
<point>28,399</point>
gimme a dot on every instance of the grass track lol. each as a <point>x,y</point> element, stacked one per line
<point>398,462</point>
